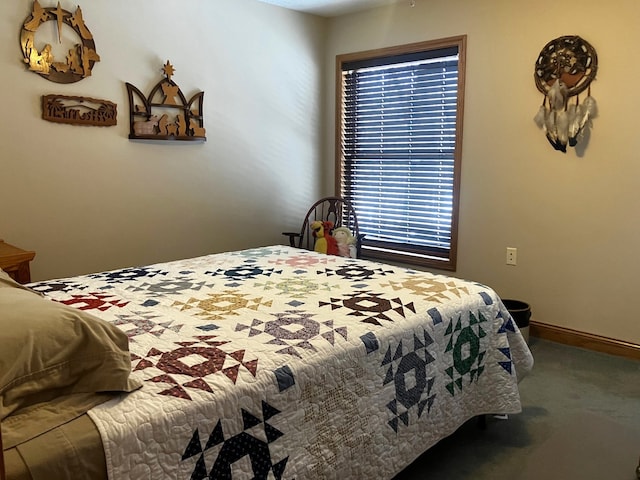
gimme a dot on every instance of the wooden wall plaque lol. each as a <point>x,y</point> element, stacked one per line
<point>79,110</point>
<point>80,57</point>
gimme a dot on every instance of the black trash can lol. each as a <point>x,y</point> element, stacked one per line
<point>521,313</point>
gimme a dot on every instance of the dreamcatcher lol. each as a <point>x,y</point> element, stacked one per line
<point>565,68</point>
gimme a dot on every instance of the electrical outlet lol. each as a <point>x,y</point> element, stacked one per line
<point>512,256</point>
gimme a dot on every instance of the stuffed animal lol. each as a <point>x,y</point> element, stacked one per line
<point>325,243</point>
<point>346,242</point>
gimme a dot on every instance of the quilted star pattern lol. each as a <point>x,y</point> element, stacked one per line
<point>355,272</point>
<point>218,306</point>
<point>329,440</point>
<point>466,348</point>
<point>57,286</point>
<point>192,364</point>
<point>94,301</point>
<point>297,287</point>
<point>267,253</point>
<point>140,323</point>
<point>224,451</point>
<point>170,286</point>
<point>371,307</point>
<point>304,261</point>
<point>406,370</point>
<point>507,325</point>
<point>126,274</point>
<point>247,271</point>
<point>294,332</point>
<point>430,289</point>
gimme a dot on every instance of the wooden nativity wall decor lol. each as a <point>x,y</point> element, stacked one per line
<point>79,110</point>
<point>165,114</point>
<point>80,58</point>
<point>565,68</point>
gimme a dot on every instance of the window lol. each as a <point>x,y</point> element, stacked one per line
<point>399,117</point>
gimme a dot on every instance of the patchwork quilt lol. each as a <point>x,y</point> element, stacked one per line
<point>281,363</point>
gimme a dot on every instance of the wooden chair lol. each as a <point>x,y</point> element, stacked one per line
<point>333,209</point>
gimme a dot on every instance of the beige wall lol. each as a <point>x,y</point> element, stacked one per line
<point>573,217</point>
<point>89,199</point>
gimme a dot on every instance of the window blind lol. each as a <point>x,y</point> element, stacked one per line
<point>398,141</point>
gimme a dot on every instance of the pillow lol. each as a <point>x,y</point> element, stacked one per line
<point>49,350</point>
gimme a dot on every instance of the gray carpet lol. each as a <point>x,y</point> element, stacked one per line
<point>580,420</point>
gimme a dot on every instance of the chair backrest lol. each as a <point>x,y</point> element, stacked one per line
<point>333,209</point>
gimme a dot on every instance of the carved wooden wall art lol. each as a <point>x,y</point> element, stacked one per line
<point>79,110</point>
<point>565,68</point>
<point>80,58</point>
<point>165,114</point>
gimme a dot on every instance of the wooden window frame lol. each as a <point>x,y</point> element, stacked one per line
<point>445,260</point>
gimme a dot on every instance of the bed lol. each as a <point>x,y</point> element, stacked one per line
<point>271,362</point>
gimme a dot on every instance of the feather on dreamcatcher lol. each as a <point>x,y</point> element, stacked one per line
<point>565,68</point>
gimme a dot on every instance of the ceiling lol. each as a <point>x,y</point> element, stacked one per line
<point>329,8</point>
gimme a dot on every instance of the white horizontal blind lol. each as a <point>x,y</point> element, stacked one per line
<point>398,144</point>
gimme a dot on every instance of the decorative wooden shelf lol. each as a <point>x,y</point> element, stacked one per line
<point>170,138</point>
<point>151,117</point>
